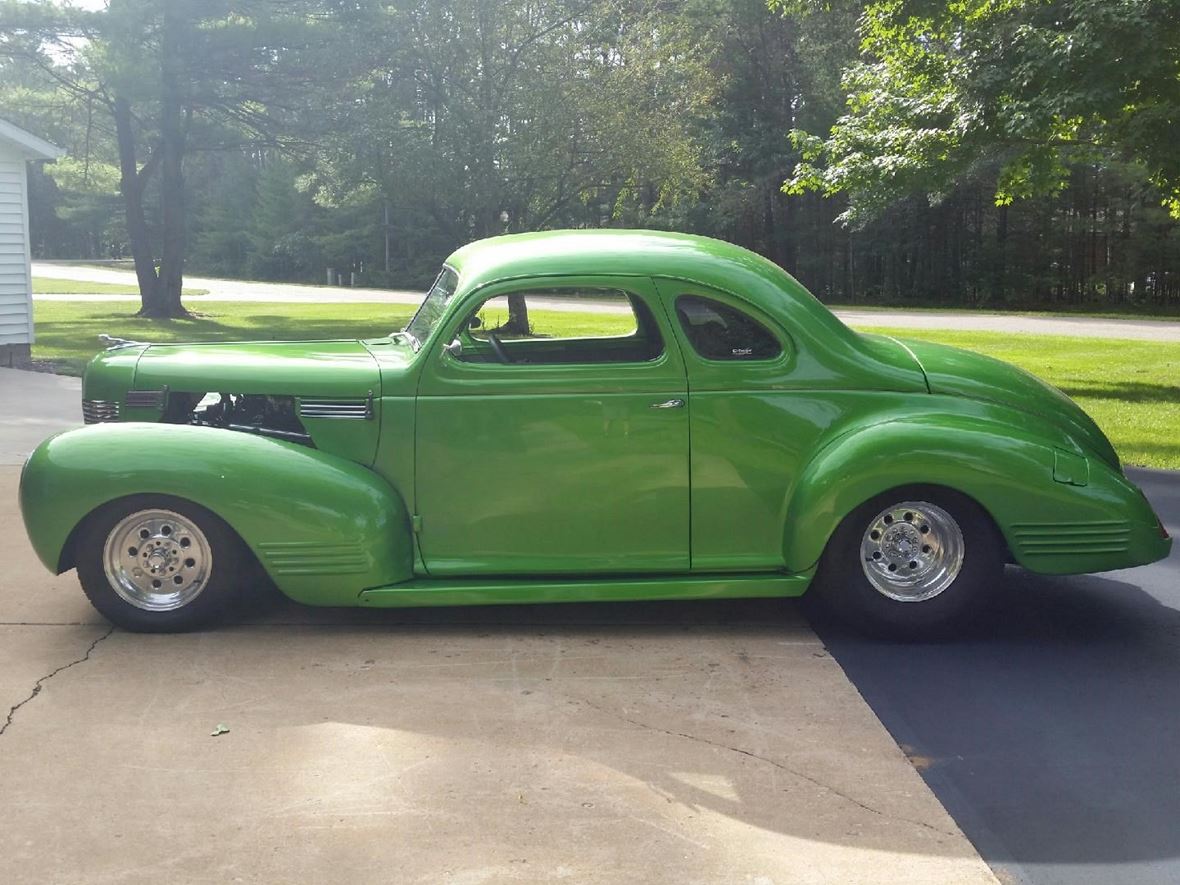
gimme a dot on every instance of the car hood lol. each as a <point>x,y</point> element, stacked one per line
<point>278,368</point>
<point>957,372</point>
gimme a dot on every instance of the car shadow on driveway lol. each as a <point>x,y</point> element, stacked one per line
<point>1050,732</point>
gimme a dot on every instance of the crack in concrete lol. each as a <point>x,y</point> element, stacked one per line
<point>40,683</point>
<point>791,771</point>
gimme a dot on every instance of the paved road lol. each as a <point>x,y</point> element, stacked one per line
<point>234,290</point>
<point>1053,734</point>
<point>706,743</point>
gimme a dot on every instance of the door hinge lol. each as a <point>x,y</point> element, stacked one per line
<point>416,523</point>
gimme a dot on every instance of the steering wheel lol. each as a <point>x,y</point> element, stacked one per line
<point>501,353</point>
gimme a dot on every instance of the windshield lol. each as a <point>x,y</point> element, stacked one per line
<point>433,307</point>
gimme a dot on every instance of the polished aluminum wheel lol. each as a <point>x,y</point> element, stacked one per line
<point>912,551</point>
<point>157,560</point>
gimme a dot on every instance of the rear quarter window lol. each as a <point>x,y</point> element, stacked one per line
<point>720,332</point>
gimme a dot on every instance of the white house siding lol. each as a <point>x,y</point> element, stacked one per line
<point>16,313</point>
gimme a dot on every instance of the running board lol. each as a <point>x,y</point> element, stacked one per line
<point>499,591</point>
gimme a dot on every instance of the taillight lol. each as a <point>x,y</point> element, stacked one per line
<point>1163,531</point>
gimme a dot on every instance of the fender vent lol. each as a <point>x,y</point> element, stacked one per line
<point>96,411</point>
<point>312,558</point>
<point>355,408</point>
<point>1071,538</point>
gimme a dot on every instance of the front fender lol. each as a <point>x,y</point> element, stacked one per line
<point>1054,521</point>
<point>323,528</point>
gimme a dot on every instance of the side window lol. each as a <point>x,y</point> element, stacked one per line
<point>717,331</point>
<point>562,326</point>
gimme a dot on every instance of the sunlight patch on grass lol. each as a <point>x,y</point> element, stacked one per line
<point>53,286</point>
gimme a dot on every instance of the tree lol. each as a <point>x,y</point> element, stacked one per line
<point>1016,91</point>
<point>477,117</point>
<point>175,76</point>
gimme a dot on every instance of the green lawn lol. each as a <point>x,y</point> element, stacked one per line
<point>1142,313</point>
<point>52,286</point>
<point>1131,388</point>
<point>67,331</point>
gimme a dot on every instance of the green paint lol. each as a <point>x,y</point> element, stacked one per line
<point>444,591</point>
<point>482,482</point>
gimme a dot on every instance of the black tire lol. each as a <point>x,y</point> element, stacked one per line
<point>844,588</point>
<point>219,588</point>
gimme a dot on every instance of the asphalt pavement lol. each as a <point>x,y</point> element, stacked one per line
<point>1051,733</point>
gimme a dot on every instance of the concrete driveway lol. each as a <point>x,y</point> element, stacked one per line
<point>239,290</point>
<point>678,743</point>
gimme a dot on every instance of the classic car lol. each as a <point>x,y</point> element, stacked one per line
<point>572,416</point>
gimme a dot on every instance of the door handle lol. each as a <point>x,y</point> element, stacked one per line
<point>669,404</point>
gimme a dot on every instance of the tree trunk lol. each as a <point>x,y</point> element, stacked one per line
<point>131,184</point>
<point>166,301</point>
<point>1000,280</point>
<point>518,316</point>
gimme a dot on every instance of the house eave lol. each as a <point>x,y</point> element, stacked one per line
<point>28,145</point>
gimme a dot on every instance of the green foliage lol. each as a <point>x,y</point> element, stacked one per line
<point>988,153</point>
<point>280,228</point>
<point>475,117</point>
<point>1016,92</point>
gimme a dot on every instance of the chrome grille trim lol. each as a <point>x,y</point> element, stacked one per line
<point>96,411</point>
<point>352,408</point>
<point>144,399</point>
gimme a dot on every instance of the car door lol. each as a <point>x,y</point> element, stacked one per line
<point>749,431</point>
<point>553,438</point>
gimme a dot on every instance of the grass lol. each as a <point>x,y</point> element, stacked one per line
<point>1131,388</point>
<point>1091,312</point>
<point>52,286</point>
<point>67,331</point>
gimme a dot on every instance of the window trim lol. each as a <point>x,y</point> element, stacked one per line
<point>504,288</point>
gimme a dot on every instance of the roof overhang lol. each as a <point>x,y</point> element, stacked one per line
<point>27,143</point>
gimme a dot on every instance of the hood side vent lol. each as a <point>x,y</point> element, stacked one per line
<point>356,408</point>
<point>145,399</point>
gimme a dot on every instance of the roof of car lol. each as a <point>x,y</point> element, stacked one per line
<point>824,349</point>
<point>628,252</point>
<point>702,260</point>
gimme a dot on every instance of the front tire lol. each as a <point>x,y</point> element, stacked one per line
<point>158,564</point>
<point>914,563</point>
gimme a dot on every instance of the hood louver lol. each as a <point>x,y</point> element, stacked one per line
<point>360,409</point>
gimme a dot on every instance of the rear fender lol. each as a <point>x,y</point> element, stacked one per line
<point>323,528</point>
<point>1008,469</point>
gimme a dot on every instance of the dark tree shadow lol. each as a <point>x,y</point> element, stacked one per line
<point>1127,391</point>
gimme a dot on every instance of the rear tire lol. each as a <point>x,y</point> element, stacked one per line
<point>914,563</point>
<point>158,564</point>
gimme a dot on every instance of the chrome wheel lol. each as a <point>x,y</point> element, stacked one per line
<point>912,551</point>
<point>157,560</point>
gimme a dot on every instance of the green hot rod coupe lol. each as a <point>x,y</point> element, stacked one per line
<point>571,416</point>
